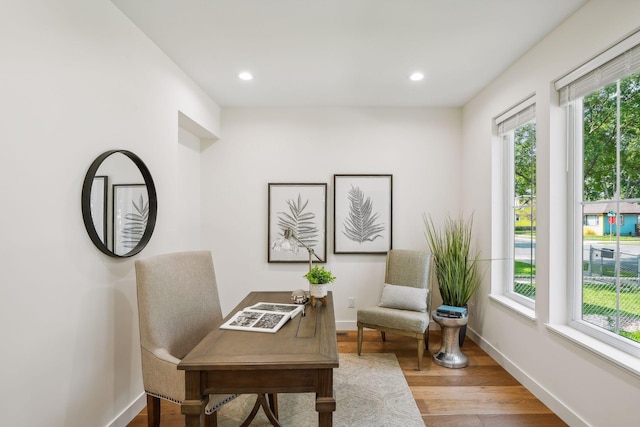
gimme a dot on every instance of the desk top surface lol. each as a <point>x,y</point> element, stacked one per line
<point>307,342</point>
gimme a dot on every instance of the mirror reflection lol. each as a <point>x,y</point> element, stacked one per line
<point>118,207</point>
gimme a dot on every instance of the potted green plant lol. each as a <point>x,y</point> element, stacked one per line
<point>456,267</point>
<point>319,279</point>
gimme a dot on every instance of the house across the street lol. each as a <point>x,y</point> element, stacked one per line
<point>600,219</point>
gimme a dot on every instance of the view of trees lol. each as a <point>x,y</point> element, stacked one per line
<point>600,134</point>
<point>525,163</point>
<point>611,153</point>
<point>524,156</point>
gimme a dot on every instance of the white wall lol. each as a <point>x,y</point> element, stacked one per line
<point>78,79</point>
<point>420,147</point>
<point>581,387</point>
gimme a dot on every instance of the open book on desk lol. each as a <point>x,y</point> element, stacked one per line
<point>263,317</point>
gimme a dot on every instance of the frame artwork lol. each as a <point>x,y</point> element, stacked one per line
<point>303,208</point>
<point>130,216</point>
<point>362,220</point>
<point>99,188</point>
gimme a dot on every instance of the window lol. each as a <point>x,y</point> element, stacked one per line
<point>517,130</point>
<point>592,220</point>
<point>603,105</point>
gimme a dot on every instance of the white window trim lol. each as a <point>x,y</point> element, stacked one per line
<point>621,359</point>
<point>518,308</point>
<point>621,59</point>
<point>505,123</point>
<point>596,339</point>
<point>616,60</point>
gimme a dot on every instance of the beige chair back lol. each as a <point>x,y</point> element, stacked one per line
<point>408,268</point>
<point>178,301</point>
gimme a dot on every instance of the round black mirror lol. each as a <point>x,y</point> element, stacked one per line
<point>119,203</point>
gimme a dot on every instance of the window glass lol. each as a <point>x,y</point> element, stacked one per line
<point>524,210</point>
<point>609,292</point>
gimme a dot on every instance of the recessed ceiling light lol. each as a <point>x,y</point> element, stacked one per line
<point>245,75</point>
<point>416,76</point>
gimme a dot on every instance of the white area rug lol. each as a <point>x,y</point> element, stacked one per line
<point>370,391</point>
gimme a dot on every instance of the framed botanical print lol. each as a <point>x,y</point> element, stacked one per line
<point>362,214</point>
<point>301,208</point>
<point>130,215</point>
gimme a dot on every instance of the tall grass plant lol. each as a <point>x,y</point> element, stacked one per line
<point>456,267</point>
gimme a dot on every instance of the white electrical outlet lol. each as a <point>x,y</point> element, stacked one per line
<point>352,302</point>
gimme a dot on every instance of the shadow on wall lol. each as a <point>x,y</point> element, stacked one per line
<point>100,380</point>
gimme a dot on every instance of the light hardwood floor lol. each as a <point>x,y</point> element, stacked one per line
<point>480,395</point>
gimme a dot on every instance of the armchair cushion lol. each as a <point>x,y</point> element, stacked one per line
<point>406,320</point>
<point>404,298</point>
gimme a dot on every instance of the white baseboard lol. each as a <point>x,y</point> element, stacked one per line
<point>130,412</point>
<point>546,397</point>
<point>346,325</point>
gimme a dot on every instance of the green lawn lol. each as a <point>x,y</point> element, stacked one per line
<point>608,239</point>
<point>527,270</point>
<point>598,298</point>
<point>524,269</point>
<point>601,299</point>
<point>608,270</point>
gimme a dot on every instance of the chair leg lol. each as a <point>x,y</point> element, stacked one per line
<point>359,339</point>
<point>426,339</point>
<point>211,420</point>
<point>420,353</point>
<point>153,411</point>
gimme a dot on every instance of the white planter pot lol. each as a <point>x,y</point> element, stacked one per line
<point>318,291</point>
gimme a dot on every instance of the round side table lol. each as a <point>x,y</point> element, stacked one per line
<point>449,354</point>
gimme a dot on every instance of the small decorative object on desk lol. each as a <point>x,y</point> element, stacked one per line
<point>299,296</point>
<point>451,311</point>
<point>263,317</point>
<point>319,279</point>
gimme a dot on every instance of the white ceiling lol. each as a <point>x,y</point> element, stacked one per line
<point>345,53</point>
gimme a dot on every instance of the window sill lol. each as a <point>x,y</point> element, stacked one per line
<point>625,361</point>
<point>512,305</point>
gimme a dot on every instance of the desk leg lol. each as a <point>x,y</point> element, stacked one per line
<point>325,401</point>
<point>193,406</point>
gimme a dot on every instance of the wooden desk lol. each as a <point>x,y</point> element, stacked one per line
<point>299,358</point>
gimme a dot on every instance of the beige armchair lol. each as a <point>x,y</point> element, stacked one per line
<point>178,305</point>
<point>405,302</point>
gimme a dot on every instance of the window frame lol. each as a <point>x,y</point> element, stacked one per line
<point>506,139</point>
<point>574,116</point>
<point>511,206</point>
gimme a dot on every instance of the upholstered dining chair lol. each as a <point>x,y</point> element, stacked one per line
<point>178,305</point>
<point>405,302</point>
